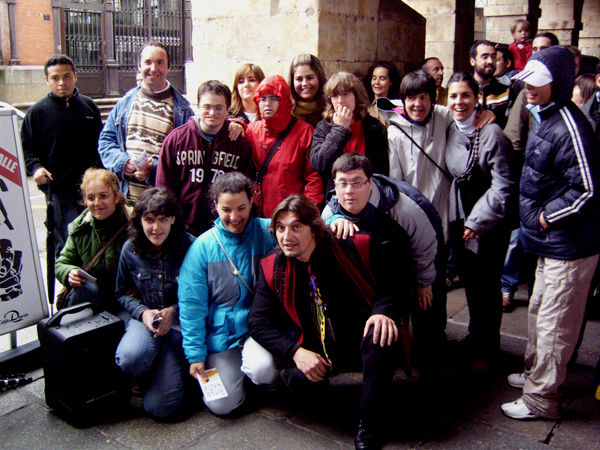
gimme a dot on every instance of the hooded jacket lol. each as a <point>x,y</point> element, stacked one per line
<point>407,161</point>
<point>561,174</point>
<point>290,171</point>
<point>86,237</point>
<point>411,211</point>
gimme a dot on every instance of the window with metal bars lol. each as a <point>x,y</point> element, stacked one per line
<point>83,39</point>
<point>138,21</point>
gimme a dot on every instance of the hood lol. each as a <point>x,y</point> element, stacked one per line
<point>390,109</point>
<point>561,63</point>
<point>276,85</point>
<point>393,110</point>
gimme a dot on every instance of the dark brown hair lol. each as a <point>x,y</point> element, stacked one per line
<point>158,202</point>
<point>306,212</point>
<point>352,161</point>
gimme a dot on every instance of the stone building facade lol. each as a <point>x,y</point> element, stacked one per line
<point>345,35</point>
<point>574,22</point>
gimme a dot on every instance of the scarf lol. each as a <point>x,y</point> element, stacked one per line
<point>357,140</point>
<point>467,126</point>
<point>304,108</point>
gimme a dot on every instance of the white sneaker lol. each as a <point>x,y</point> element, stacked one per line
<point>517,380</point>
<point>517,410</point>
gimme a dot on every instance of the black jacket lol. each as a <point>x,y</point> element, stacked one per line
<point>561,175</point>
<point>497,97</point>
<point>592,111</point>
<point>271,325</point>
<point>329,141</point>
<point>62,136</point>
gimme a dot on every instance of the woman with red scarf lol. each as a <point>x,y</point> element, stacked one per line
<point>347,127</point>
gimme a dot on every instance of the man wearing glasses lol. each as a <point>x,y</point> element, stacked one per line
<point>282,164</point>
<point>195,154</point>
<point>397,214</point>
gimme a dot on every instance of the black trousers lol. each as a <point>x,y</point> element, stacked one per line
<point>378,367</point>
<point>480,274</point>
<point>429,324</point>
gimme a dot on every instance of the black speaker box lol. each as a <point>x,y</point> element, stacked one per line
<point>83,382</point>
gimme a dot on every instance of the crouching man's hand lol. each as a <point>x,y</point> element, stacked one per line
<point>385,330</point>
<point>311,364</point>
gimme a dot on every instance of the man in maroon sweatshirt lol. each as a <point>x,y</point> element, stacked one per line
<point>196,153</point>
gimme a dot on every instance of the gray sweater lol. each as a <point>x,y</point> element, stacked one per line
<point>498,163</point>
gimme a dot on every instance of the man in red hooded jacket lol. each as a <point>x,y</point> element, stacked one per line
<point>289,172</point>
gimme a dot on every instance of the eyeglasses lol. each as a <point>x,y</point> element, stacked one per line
<point>340,94</point>
<point>219,109</point>
<point>269,99</point>
<point>354,184</point>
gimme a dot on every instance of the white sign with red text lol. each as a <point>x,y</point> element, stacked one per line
<point>22,294</point>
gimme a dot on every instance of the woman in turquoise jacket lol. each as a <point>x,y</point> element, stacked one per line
<point>216,288</point>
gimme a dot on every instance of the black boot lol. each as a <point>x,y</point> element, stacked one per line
<point>365,438</point>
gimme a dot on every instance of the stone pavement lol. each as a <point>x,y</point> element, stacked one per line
<point>461,412</point>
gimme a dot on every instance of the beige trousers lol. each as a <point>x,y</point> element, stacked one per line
<point>556,311</point>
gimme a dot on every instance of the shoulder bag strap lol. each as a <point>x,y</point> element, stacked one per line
<point>260,175</point>
<point>103,249</point>
<point>446,174</point>
<point>362,276</point>
<point>235,270</point>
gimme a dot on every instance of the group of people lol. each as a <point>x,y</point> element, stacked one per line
<point>290,229</point>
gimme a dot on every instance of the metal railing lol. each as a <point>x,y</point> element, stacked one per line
<point>83,36</point>
<point>137,21</point>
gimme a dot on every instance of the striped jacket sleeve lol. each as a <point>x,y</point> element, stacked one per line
<point>572,161</point>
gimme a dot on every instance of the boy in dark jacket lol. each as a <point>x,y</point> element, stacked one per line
<point>559,223</point>
<point>60,141</point>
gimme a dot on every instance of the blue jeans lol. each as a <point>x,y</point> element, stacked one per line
<point>512,264</point>
<point>159,364</point>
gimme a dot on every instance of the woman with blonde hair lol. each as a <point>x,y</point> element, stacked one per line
<point>246,81</point>
<point>306,81</point>
<point>88,263</point>
<point>347,127</point>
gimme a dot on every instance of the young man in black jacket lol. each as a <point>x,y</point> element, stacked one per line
<point>60,141</point>
<point>324,306</point>
<point>559,223</point>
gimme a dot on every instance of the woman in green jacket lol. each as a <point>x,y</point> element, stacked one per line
<point>103,222</point>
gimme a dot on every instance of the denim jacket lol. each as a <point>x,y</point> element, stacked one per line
<point>147,281</point>
<point>111,144</point>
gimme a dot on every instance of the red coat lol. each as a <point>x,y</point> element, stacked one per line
<point>520,55</point>
<point>289,171</point>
